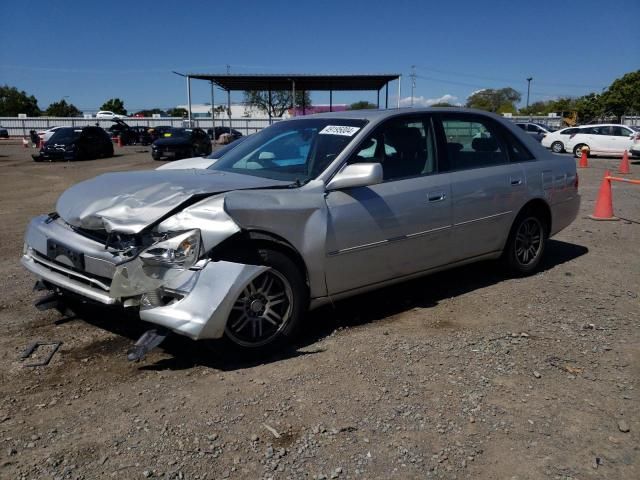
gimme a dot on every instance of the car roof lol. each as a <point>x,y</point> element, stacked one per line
<point>372,115</point>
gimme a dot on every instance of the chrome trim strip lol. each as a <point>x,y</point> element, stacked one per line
<point>39,259</point>
<point>60,280</point>
<point>389,240</point>
<point>482,218</point>
<point>418,234</point>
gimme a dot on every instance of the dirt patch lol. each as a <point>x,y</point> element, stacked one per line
<point>464,374</point>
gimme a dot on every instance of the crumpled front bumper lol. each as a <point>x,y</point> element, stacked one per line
<point>194,302</point>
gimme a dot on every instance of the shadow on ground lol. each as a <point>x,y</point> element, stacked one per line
<point>362,309</point>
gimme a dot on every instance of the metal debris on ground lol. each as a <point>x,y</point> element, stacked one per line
<point>30,350</point>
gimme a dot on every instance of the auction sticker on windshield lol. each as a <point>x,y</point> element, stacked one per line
<point>339,130</point>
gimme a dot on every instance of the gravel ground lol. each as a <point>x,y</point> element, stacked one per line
<point>464,374</point>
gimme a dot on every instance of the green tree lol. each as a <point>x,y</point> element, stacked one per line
<point>62,109</point>
<point>14,101</point>
<point>362,105</point>
<point>280,101</point>
<point>500,100</point>
<point>114,105</point>
<point>589,107</point>
<point>177,112</point>
<point>623,95</point>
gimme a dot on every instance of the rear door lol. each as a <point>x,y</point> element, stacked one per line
<point>487,188</point>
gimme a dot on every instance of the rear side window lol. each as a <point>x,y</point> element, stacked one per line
<point>473,143</point>
<point>570,131</point>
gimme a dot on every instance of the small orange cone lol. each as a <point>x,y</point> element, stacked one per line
<point>604,203</point>
<point>583,160</point>
<point>624,164</point>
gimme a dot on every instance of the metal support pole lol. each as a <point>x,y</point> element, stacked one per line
<point>213,113</point>
<point>270,105</point>
<point>528,89</point>
<point>229,107</point>
<point>331,100</point>
<point>386,95</point>
<point>293,97</point>
<point>189,97</point>
<point>399,89</point>
<point>378,98</point>
<point>303,105</point>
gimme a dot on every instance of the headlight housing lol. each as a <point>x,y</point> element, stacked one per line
<point>181,251</point>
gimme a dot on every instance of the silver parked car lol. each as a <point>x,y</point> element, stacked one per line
<point>307,211</point>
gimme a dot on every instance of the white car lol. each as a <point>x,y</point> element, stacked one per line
<point>557,140</point>
<point>45,135</point>
<point>106,115</point>
<point>602,139</point>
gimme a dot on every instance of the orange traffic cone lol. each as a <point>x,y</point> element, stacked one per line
<point>624,164</point>
<point>583,160</point>
<point>604,203</point>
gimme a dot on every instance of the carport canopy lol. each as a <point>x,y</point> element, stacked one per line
<point>290,81</point>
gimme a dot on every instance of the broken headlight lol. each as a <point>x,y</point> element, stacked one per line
<point>181,250</point>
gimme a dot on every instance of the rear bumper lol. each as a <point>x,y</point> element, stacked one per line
<point>564,213</point>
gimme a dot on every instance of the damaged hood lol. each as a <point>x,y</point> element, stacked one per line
<point>127,202</point>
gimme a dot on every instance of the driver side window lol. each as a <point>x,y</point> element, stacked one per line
<point>404,147</point>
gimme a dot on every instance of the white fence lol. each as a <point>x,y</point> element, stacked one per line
<point>19,127</point>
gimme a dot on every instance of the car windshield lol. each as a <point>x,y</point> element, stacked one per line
<point>63,135</point>
<point>219,152</point>
<point>296,150</point>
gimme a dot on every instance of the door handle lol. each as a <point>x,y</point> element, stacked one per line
<point>437,197</point>
<point>516,181</point>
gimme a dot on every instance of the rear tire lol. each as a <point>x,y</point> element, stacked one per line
<point>526,243</point>
<point>557,147</point>
<point>269,311</point>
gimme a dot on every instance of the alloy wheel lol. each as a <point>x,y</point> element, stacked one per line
<point>528,241</point>
<point>261,311</point>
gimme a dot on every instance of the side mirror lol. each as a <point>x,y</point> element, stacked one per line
<point>356,175</point>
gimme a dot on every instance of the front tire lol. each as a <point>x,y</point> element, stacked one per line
<point>526,244</point>
<point>557,147</point>
<point>577,150</point>
<point>269,310</point>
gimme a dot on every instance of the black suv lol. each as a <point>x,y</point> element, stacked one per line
<point>181,143</point>
<point>71,143</point>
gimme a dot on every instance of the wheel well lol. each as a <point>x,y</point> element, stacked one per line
<point>541,208</point>
<point>243,247</point>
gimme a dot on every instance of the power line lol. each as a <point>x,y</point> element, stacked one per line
<point>482,77</point>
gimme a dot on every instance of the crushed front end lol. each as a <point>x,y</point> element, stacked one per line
<point>164,271</point>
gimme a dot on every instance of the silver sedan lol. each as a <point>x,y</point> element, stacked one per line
<point>307,211</point>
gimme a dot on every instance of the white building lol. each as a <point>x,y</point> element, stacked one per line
<point>238,110</point>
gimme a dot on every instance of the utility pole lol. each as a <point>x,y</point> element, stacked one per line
<point>528,90</point>
<point>229,98</point>
<point>413,81</point>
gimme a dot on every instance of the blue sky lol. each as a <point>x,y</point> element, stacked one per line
<point>88,51</point>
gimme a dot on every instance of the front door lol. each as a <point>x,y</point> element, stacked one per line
<point>398,227</point>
